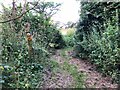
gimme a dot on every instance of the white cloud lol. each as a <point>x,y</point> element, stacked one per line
<point>68,10</point>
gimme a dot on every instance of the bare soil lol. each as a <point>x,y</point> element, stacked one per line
<point>62,79</point>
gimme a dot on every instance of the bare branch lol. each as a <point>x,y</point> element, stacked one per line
<point>20,15</point>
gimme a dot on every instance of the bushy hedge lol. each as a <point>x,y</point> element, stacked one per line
<point>103,50</point>
<point>97,36</point>
<point>44,31</point>
<point>19,68</point>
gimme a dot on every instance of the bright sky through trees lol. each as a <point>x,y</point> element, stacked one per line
<point>68,10</point>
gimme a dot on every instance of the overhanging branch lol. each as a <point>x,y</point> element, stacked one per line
<point>20,15</point>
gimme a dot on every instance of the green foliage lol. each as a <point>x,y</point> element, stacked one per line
<point>102,50</point>
<point>69,37</point>
<point>24,68</point>
<point>69,41</point>
<point>20,69</point>
<point>96,37</point>
<point>24,75</point>
<point>44,32</point>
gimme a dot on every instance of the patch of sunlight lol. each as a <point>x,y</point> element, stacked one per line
<point>63,31</point>
<point>67,31</point>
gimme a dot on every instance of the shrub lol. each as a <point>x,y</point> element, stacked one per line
<point>69,37</point>
<point>21,68</point>
<point>103,50</point>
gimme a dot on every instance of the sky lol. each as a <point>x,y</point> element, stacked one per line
<point>68,10</point>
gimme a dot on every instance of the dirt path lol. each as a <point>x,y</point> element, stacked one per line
<point>59,79</point>
<point>93,78</point>
<point>63,79</point>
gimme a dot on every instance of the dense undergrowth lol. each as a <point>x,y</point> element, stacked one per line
<point>69,36</point>
<point>25,57</point>
<point>97,37</point>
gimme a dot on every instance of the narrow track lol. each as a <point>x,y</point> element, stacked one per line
<point>62,79</point>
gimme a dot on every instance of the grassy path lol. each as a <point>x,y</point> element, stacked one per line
<point>69,72</point>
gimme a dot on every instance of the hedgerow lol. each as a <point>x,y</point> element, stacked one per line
<point>27,44</point>
<point>97,38</point>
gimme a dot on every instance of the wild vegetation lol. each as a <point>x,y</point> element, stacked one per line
<point>97,36</point>
<point>68,36</point>
<point>36,53</point>
<point>27,44</point>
